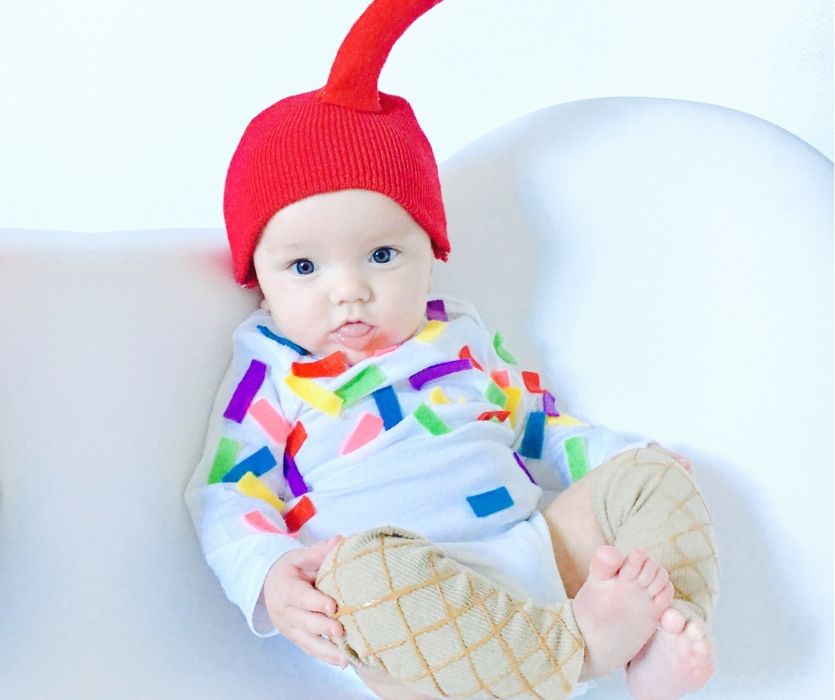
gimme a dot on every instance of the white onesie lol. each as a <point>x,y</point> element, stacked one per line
<point>442,435</point>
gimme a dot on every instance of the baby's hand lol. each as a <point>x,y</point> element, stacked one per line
<point>680,458</point>
<point>299,611</point>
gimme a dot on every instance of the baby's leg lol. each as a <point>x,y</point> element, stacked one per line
<point>645,499</point>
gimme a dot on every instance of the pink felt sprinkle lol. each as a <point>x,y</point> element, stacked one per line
<point>501,377</point>
<point>385,351</point>
<point>418,379</point>
<point>436,311</point>
<point>270,421</point>
<point>259,522</point>
<point>367,428</point>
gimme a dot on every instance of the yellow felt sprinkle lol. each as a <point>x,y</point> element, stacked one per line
<point>430,331</point>
<point>251,485</point>
<point>514,396</point>
<point>437,395</point>
<point>564,420</point>
<point>326,401</point>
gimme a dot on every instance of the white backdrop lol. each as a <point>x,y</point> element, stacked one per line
<point>117,114</point>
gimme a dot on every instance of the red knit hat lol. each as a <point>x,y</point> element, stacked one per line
<point>346,135</point>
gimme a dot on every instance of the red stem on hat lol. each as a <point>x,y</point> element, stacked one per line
<point>356,69</point>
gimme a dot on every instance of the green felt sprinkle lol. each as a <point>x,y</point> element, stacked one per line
<point>430,420</point>
<point>575,450</point>
<point>498,344</point>
<point>361,385</point>
<point>225,455</point>
<point>495,394</point>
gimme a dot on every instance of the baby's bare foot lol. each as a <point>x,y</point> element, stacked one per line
<point>619,607</point>
<point>677,660</point>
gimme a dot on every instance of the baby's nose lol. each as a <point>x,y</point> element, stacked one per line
<point>350,285</point>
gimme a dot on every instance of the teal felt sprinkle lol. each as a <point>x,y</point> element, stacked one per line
<point>430,420</point>
<point>361,385</point>
<point>227,451</point>
<point>498,344</point>
<point>575,450</point>
<point>282,341</point>
<point>534,435</point>
<point>489,502</point>
<point>494,394</point>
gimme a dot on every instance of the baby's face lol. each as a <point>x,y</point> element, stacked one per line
<point>347,270</point>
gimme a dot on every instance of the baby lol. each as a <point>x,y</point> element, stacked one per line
<point>358,405</point>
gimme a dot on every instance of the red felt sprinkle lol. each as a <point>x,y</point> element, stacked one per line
<point>295,439</point>
<point>465,354</point>
<point>501,377</point>
<point>532,382</point>
<point>488,415</point>
<point>331,366</point>
<point>299,514</point>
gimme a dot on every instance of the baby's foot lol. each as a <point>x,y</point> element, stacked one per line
<point>618,608</point>
<point>676,661</point>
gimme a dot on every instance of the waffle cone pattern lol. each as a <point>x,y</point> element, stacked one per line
<point>443,629</point>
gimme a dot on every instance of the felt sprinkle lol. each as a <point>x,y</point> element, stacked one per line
<point>498,345</point>
<point>514,397</point>
<point>251,485</point>
<point>418,379</point>
<point>465,354</point>
<point>495,395</point>
<point>322,399</point>
<point>361,385</point>
<point>282,341</point>
<point>501,377</point>
<point>549,404</point>
<point>532,382</point>
<point>270,421</point>
<point>534,436</point>
<point>436,311</point>
<point>388,406</point>
<point>489,502</point>
<point>256,519</point>
<point>490,415</point>
<point>293,476</point>
<point>367,428</point>
<point>430,332</point>
<point>295,439</point>
<point>245,391</point>
<point>331,366</point>
<point>299,514</point>
<point>564,420</point>
<point>437,396</point>
<point>575,450</point>
<point>224,460</point>
<point>430,420</point>
<point>524,468</point>
<point>258,463</point>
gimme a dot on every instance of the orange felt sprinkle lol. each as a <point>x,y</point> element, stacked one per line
<point>501,415</point>
<point>532,382</point>
<point>501,377</point>
<point>331,366</point>
<point>295,439</point>
<point>465,354</point>
<point>299,514</point>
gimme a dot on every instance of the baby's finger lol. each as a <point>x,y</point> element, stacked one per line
<point>316,623</point>
<point>314,600</point>
<point>319,647</point>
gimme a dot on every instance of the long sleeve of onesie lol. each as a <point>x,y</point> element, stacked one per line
<point>233,495</point>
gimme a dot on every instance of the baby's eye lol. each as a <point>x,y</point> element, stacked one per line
<point>383,255</point>
<point>303,266</point>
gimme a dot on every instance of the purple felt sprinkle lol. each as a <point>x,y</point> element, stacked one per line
<point>549,404</point>
<point>418,379</point>
<point>436,311</point>
<point>293,476</point>
<point>524,468</point>
<point>247,388</point>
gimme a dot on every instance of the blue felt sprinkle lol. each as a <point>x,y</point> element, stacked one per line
<point>258,463</point>
<point>534,435</point>
<point>388,406</point>
<point>283,341</point>
<point>490,502</point>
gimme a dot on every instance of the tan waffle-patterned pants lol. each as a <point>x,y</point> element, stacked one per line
<point>447,631</point>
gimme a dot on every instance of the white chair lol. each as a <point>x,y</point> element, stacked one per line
<point>671,264</point>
